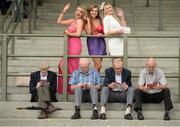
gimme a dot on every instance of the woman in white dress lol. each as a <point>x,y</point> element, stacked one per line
<point>113,23</point>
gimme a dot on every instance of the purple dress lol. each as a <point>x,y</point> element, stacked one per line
<point>96,45</point>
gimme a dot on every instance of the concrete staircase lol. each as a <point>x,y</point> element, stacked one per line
<point>142,20</point>
<point>153,114</point>
<point>47,16</point>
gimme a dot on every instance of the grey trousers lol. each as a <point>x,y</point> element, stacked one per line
<point>43,95</point>
<point>79,94</point>
<point>120,96</point>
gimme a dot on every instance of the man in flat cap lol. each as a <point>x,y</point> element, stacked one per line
<point>43,87</point>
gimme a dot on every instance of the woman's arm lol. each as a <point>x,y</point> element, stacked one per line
<point>87,26</point>
<point>122,21</point>
<point>120,15</point>
<point>79,29</point>
<point>107,29</point>
<point>61,19</point>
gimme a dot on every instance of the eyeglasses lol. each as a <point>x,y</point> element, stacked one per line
<point>117,68</point>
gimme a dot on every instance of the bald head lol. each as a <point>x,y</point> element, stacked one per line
<point>151,64</point>
<point>84,65</point>
<point>83,62</point>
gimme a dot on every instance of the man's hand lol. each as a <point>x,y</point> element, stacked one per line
<point>156,86</point>
<point>87,86</point>
<point>98,87</point>
<point>80,85</point>
<point>125,86</point>
<point>146,88</point>
<point>39,84</point>
<point>112,85</point>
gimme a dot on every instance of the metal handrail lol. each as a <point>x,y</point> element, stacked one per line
<point>66,56</point>
<point>6,16</point>
<point>129,36</point>
<point>102,75</point>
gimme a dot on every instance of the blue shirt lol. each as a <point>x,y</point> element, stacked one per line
<point>91,77</point>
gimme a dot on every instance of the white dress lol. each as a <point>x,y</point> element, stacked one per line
<point>115,46</point>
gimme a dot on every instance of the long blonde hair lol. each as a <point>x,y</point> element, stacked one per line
<point>113,12</point>
<point>84,10</point>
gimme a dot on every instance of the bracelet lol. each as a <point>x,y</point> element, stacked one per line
<point>63,12</point>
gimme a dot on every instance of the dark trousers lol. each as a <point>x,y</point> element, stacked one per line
<point>164,95</point>
<point>4,5</point>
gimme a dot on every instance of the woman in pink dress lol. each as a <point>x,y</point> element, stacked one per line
<point>74,30</point>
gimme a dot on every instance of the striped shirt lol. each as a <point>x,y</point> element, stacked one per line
<point>91,77</point>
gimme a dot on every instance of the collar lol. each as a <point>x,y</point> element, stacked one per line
<point>80,72</point>
<point>147,71</point>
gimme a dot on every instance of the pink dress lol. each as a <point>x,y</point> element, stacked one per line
<point>74,48</point>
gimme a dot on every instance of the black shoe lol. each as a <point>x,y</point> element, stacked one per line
<point>102,116</point>
<point>140,116</point>
<point>76,116</point>
<point>95,115</point>
<point>77,113</point>
<point>166,116</point>
<point>128,116</point>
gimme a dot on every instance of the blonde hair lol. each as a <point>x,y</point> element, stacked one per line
<point>113,13</point>
<point>84,10</point>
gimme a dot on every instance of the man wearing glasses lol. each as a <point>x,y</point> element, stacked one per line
<point>117,88</point>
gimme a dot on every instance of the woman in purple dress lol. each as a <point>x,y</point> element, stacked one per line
<point>93,26</point>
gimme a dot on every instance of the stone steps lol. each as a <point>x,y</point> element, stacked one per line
<point>153,114</point>
<point>85,122</point>
<point>87,106</point>
<point>87,114</point>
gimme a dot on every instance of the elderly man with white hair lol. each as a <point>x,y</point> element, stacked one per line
<point>85,80</point>
<point>117,88</point>
<point>43,89</point>
<point>152,88</point>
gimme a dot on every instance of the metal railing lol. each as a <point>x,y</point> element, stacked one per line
<point>5,56</point>
<point>16,11</point>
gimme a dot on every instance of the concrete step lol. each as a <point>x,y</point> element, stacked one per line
<point>85,122</point>
<point>67,106</point>
<point>87,114</point>
<point>114,111</point>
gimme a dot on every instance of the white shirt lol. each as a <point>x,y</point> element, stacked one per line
<point>118,78</point>
<point>114,45</point>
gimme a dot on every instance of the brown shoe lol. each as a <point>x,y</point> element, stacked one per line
<point>42,115</point>
<point>51,109</point>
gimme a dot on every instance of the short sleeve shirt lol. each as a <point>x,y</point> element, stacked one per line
<point>149,78</point>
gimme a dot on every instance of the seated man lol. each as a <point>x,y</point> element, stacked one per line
<point>43,89</point>
<point>152,89</point>
<point>117,88</point>
<point>85,80</point>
